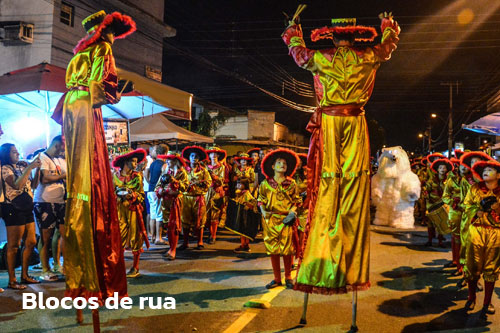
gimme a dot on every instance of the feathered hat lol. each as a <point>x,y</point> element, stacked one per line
<point>478,168</point>
<point>172,155</point>
<point>96,23</point>
<point>119,161</point>
<point>221,153</point>
<point>442,161</point>
<point>466,158</point>
<point>345,28</point>
<point>291,158</point>
<point>202,154</point>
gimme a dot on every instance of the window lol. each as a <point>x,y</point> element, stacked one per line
<point>67,14</point>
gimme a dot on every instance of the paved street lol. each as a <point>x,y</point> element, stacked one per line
<point>411,292</point>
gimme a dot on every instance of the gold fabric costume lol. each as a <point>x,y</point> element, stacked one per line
<point>451,197</point>
<point>215,198</point>
<point>248,172</point>
<point>465,185</point>
<point>171,205</point>
<point>129,210</point>
<point>302,211</point>
<point>336,253</point>
<point>91,224</point>
<point>194,208</point>
<point>483,239</point>
<point>434,189</point>
<point>278,200</point>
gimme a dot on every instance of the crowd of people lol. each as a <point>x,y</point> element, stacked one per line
<point>160,197</point>
<point>460,196</point>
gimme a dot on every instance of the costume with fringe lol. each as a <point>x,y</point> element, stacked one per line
<point>336,251</point>
<point>194,210</point>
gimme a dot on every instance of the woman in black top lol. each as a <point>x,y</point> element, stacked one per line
<point>17,211</point>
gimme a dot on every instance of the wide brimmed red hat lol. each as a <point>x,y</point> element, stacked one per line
<point>291,158</point>
<point>243,156</point>
<point>442,161</point>
<point>202,154</point>
<point>171,155</point>
<point>466,158</point>
<point>220,152</point>
<point>96,23</point>
<point>119,161</point>
<point>432,157</point>
<point>455,161</point>
<point>478,168</point>
<point>345,28</point>
<point>253,150</point>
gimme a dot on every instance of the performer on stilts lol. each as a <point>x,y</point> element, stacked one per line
<point>482,211</point>
<point>129,190</point>
<point>93,255</point>
<point>216,196</point>
<point>194,210</point>
<point>278,201</point>
<point>336,247</point>
<point>172,183</point>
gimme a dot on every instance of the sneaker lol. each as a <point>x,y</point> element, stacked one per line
<point>48,276</point>
<point>289,284</point>
<point>132,273</point>
<point>242,249</point>
<point>273,284</point>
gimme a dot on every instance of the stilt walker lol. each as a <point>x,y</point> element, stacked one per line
<point>130,192</point>
<point>172,183</point>
<point>93,255</point>
<point>216,196</point>
<point>336,247</point>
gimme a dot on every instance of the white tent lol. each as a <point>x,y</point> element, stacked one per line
<point>159,128</point>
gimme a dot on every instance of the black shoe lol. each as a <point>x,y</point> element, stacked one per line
<point>450,264</point>
<point>469,305</point>
<point>429,243</point>
<point>273,284</point>
<point>490,309</point>
<point>289,284</point>
<point>182,247</point>
<point>200,247</point>
<point>241,249</point>
<point>210,241</point>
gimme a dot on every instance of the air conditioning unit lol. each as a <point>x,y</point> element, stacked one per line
<point>16,32</point>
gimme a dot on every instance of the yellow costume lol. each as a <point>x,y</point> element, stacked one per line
<point>451,197</point>
<point>171,204</point>
<point>278,200</point>
<point>302,211</point>
<point>247,172</point>
<point>215,198</point>
<point>194,207</point>
<point>434,189</point>
<point>483,237</point>
<point>130,210</point>
<point>337,242</point>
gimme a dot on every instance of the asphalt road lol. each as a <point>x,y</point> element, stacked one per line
<point>411,292</point>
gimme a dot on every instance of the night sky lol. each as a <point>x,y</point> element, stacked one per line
<point>220,44</point>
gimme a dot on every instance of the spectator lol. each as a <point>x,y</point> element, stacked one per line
<point>17,211</point>
<point>49,202</point>
<point>152,175</point>
<point>57,240</point>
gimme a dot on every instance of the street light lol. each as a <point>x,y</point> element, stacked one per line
<point>433,115</point>
<point>421,136</point>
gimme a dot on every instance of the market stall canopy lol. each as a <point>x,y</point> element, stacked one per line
<point>159,128</point>
<point>489,124</point>
<point>39,88</point>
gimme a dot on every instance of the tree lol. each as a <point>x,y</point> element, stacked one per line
<point>208,124</point>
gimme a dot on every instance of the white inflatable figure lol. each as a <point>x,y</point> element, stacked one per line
<point>395,188</point>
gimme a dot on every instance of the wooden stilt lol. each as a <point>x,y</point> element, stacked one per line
<point>95,321</point>
<point>303,320</point>
<point>79,316</point>
<point>354,328</point>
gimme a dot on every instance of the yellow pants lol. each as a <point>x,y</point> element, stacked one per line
<point>483,253</point>
<point>192,211</point>
<point>337,251</point>
<point>129,230</point>
<point>454,220</point>
<point>277,236</point>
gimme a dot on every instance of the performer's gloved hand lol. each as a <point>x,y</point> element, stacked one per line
<point>487,202</point>
<point>388,22</point>
<point>290,218</point>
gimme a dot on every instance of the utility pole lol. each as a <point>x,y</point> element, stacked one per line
<point>430,138</point>
<point>450,118</point>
